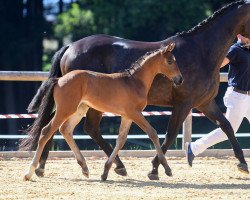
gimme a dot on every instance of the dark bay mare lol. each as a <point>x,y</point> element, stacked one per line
<point>199,53</point>
<point>78,90</point>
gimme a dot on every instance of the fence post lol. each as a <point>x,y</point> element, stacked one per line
<point>187,130</point>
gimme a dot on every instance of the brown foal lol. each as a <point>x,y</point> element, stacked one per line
<point>78,90</point>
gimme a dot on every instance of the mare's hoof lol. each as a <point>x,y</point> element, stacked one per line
<point>153,177</point>
<point>39,172</point>
<point>104,177</point>
<point>243,168</point>
<point>121,171</point>
<point>169,173</point>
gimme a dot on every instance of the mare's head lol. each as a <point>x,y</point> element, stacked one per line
<point>169,65</point>
<point>245,27</point>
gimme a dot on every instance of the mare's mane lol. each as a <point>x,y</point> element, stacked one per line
<point>210,19</point>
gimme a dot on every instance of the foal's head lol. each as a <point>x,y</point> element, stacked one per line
<point>169,65</point>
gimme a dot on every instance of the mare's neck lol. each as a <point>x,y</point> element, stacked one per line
<point>214,40</point>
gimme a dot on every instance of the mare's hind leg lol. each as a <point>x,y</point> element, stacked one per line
<point>91,126</point>
<point>120,141</point>
<point>212,111</point>
<point>46,134</point>
<point>67,129</point>
<point>178,116</point>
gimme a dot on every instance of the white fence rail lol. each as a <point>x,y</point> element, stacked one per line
<point>23,76</point>
<point>41,76</point>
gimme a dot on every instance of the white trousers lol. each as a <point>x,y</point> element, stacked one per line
<point>238,107</point>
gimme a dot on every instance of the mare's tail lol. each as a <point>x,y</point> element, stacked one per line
<point>55,72</point>
<point>45,114</point>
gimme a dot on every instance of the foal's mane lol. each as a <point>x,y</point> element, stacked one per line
<point>210,19</point>
<point>138,63</point>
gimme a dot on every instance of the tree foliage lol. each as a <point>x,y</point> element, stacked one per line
<point>147,20</point>
<point>75,23</point>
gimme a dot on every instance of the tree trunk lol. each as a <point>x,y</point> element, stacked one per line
<point>21,49</point>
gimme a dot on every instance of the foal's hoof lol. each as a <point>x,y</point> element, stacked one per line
<point>121,171</point>
<point>26,177</point>
<point>39,172</point>
<point>243,168</point>
<point>85,173</point>
<point>104,177</point>
<point>153,177</point>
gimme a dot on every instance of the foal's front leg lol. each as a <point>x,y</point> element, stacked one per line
<point>91,127</point>
<point>122,137</point>
<point>67,129</point>
<point>139,119</point>
<point>179,114</point>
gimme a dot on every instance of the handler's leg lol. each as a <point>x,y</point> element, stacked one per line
<point>248,108</point>
<point>212,111</point>
<point>236,110</point>
<point>217,135</point>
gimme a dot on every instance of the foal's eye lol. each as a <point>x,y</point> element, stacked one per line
<point>170,62</point>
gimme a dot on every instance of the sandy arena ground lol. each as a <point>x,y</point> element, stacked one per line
<point>210,178</point>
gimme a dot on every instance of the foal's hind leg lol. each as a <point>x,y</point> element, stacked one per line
<point>122,136</point>
<point>212,111</point>
<point>41,167</point>
<point>91,126</point>
<point>46,134</point>
<point>67,131</point>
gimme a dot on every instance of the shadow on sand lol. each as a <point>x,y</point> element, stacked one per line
<point>179,185</point>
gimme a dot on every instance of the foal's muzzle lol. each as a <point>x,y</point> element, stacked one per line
<point>177,80</point>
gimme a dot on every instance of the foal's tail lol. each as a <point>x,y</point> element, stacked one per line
<point>45,114</point>
<point>55,72</point>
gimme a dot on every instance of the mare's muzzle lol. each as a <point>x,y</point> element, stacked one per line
<point>177,80</point>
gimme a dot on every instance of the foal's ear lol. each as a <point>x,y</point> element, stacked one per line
<point>170,47</point>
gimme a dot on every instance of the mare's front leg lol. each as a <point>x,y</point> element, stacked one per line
<point>178,116</point>
<point>212,111</point>
<point>120,141</point>
<point>91,127</point>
